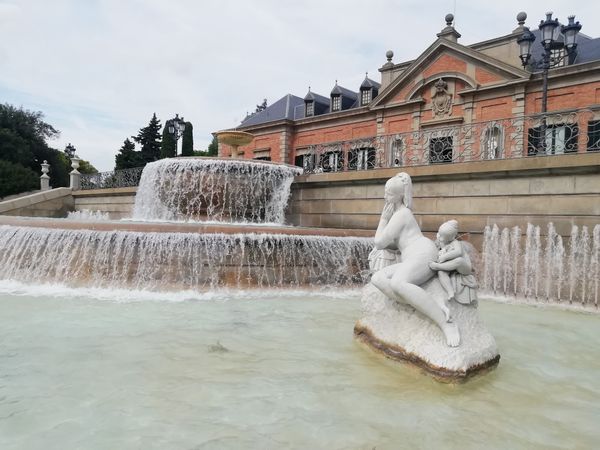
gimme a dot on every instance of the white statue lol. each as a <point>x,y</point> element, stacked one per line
<point>398,231</point>
<point>454,267</point>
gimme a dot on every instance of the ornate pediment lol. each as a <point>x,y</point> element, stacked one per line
<point>447,60</point>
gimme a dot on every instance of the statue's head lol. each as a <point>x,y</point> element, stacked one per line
<point>398,190</point>
<point>448,231</point>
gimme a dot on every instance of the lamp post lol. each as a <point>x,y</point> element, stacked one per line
<point>550,35</point>
<point>176,128</point>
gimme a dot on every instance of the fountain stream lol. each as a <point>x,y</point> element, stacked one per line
<point>215,190</point>
<point>550,271</point>
<point>229,231</point>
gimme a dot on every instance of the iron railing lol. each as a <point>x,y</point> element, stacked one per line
<point>112,179</point>
<point>516,137</point>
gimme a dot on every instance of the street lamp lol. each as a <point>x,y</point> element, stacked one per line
<point>550,36</point>
<point>176,128</point>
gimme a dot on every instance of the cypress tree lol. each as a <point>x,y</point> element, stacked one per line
<point>149,138</point>
<point>187,142</point>
<point>168,147</point>
<point>213,147</point>
<point>127,157</point>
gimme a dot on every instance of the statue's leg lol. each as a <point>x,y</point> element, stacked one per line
<point>381,280</point>
<point>446,283</point>
<point>404,284</point>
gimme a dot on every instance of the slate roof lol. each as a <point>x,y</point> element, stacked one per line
<point>282,109</point>
<point>588,49</point>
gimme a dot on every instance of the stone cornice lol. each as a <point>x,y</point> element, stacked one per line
<point>494,41</point>
<point>443,121</point>
<point>333,116</point>
<point>414,101</point>
<point>491,87</point>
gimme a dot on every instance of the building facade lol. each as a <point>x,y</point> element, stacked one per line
<point>452,104</point>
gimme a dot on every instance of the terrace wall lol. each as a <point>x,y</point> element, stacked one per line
<point>117,202</point>
<point>564,190</point>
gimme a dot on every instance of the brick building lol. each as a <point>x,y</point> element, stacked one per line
<point>454,103</point>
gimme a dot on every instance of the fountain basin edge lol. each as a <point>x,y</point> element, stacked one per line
<point>180,227</point>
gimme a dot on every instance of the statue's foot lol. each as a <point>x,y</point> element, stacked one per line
<point>452,335</point>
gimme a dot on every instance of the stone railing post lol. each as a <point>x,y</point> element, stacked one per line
<point>45,179</point>
<point>75,175</point>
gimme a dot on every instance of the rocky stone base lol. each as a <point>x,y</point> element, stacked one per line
<point>400,333</point>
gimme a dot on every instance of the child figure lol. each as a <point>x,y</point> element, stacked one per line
<point>451,258</point>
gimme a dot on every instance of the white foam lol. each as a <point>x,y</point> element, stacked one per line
<point>58,290</point>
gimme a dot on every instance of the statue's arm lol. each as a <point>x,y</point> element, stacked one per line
<point>454,252</point>
<point>388,231</point>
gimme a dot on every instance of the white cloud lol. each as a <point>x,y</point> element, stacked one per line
<point>99,69</point>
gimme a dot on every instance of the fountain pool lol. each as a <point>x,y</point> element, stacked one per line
<point>275,369</point>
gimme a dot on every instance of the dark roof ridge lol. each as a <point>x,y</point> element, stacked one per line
<point>369,83</point>
<point>337,89</point>
<point>313,96</point>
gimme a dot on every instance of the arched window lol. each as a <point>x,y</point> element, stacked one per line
<point>492,142</point>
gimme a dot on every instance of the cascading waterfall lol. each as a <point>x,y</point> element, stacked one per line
<point>542,270</point>
<point>212,189</point>
<point>174,261</point>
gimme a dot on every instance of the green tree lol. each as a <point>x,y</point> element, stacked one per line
<point>149,139</point>
<point>127,157</point>
<point>187,141</point>
<point>15,149</point>
<point>213,148</point>
<point>14,179</point>
<point>168,147</point>
<point>23,143</point>
<point>23,136</point>
<point>86,167</point>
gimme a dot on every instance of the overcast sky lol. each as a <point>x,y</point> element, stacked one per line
<point>98,69</point>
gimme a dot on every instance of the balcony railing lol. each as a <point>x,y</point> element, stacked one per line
<point>517,137</point>
<point>538,135</point>
<point>112,179</point>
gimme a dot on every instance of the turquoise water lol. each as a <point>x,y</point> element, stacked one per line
<point>278,370</point>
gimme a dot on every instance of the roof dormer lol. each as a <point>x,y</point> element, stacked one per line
<point>341,98</point>
<point>315,104</point>
<point>369,89</point>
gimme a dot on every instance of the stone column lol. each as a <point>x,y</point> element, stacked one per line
<point>285,146</point>
<point>518,130</point>
<point>75,175</point>
<point>45,179</point>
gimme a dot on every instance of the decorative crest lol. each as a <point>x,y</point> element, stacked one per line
<point>441,101</point>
